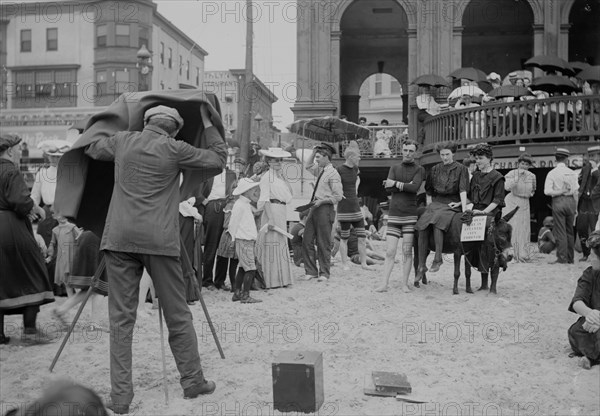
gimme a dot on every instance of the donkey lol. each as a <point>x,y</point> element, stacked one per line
<point>497,245</point>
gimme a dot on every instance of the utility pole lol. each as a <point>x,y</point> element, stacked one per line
<point>248,87</point>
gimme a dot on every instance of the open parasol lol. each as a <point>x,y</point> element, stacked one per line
<point>327,129</point>
<point>550,63</point>
<point>515,91</point>
<point>470,73</point>
<point>430,80</point>
<point>579,66</point>
<point>469,90</point>
<point>591,74</point>
<point>554,84</point>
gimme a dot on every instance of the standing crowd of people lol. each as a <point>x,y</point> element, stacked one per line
<point>237,225</point>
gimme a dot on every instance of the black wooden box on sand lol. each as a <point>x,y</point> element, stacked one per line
<point>298,381</point>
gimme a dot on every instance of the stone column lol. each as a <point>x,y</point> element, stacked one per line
<point>336,92</point>
<point>563,41</point>
<point>456,62</point>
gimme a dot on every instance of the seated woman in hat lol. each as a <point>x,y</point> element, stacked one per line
<point>584,335</point>
<point>446,186</point>
<point>272,246</point>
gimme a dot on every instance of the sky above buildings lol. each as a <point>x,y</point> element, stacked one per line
<point>219,27</point>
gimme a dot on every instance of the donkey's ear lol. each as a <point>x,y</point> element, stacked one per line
<point>511,214</point>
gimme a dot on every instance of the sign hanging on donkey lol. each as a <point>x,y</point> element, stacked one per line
<point>475,231</point>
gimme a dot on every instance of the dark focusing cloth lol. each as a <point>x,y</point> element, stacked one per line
<point>23,276</point>
<point>587,291</point>
<point>444,183</point>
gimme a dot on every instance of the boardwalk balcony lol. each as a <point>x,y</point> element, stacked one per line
<point>539,126</point>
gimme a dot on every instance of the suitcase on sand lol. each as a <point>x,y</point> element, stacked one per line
<point>298,381</point>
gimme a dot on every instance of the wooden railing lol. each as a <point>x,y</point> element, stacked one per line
<point>553,119</point>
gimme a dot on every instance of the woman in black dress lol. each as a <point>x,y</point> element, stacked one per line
<point>486,192</point>
<point>24,284</point>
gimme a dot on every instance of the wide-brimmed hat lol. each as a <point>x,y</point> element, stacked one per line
<point>275,152</point>
<point>244,185</point>
<point>561,151</point>
<point>162,111</point>
<point>8,140</point>
<point>54,147</point>
<point>494,77</point>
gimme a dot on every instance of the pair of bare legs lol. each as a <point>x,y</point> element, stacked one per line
<point>390,257</point>
<point>362,252</point>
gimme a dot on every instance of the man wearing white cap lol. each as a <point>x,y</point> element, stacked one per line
<point>561,184</point>
<point>142,230</point>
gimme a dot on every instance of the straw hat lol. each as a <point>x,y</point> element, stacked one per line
<point>275,152</point>
<point>54,147</point>
<point>244,185</point>
<point>561,151</point>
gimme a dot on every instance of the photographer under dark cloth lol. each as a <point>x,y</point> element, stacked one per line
<point>142,230</point>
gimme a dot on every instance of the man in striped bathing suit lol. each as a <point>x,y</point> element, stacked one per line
<point>404,181</point>
<point>349,214</point>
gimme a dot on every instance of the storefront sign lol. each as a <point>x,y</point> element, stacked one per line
<point>33,135</point>
<point>575,162</point>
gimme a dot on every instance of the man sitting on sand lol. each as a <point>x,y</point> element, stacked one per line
<point>546,240</point>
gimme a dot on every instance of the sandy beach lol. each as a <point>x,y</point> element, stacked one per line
<point>469,354</point>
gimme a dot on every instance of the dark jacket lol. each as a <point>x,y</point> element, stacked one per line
<point>143,216</point>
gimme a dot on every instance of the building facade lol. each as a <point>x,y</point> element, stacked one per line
<point>63,61</point>
<point>381,99</point>
<point>342,42</point>
<point>230,88</point>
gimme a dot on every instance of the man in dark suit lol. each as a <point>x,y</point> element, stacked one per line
<point>142,230</point>
<point>589,201</point>
<point>217,190</point>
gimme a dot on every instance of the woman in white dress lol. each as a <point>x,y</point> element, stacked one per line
<point>521,184</point>
<point>272,246</point>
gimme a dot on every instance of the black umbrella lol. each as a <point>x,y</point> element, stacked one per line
<point>515,91</point>
<point>554,84</point>
<point>430,80</point>
<point>469,73</point>
<point>579,66</point>
<point>591,74</point>
<point>550,63</point>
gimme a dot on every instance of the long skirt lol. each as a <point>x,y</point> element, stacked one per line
<point>272,250</point>
<point>521,225</point>
<point>584,343</point>
<point>438,214</point>
<point>23,276</point>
